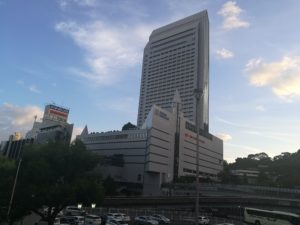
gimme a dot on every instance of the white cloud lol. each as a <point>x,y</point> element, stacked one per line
<point>34,89</point>
<point>16,118</point>
<point>109,49</point>
<point>224,53</point>
<point>225,137</point>
<point>76,131</point>
<point>64,3</point>
<point>282,76</point>
<point>231,15</point>
<point>260,108</point>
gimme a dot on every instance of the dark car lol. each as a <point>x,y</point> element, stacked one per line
<point>68,220</point>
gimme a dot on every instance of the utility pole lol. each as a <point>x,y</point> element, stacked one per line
<point>13,191</point>
<point>198,94</point>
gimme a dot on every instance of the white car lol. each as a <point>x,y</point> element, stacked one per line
<point>79,220</point>
<point>93,219</point>
<point>124,217</point>
<point>161,219</point>
<point>145,220</point>
<point>114,216</point>
<point>74,211</point>
<point>203,220</point>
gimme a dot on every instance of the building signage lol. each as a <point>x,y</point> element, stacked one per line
<point>193,137</point>
<point>57,113</point>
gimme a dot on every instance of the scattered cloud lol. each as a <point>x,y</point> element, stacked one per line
<point>16,118</point>
<point>231,15</point>
<point>225,137</point>
<point>109,49</point>
<point>282,76</point>
<point>260,108</point>
<point>126,105</point>
<point>64,3</point>
<point>76,131</point>
<point>34,89</point>
<point>244,148</point>
<point>224,53</point>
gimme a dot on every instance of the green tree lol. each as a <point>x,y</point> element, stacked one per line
<point>55,175</point>
<point>7,174</point>
<point>110,186</point>
<point>128,126</point>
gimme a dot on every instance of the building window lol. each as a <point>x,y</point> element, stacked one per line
<point>139,177</point>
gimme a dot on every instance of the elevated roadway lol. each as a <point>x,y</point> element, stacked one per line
<point>187,202</point>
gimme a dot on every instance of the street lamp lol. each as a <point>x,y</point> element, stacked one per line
<point>13,190</point>
<point>93,205</point>
<point>79,205</point>
<point>198,93</point>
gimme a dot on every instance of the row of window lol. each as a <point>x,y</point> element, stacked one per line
<point>179,48</point>
<point>186,170</point>
<point>116,137</point>
<point>167,59</point>
<point>189,36</point>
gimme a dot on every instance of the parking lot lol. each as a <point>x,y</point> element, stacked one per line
<point>177,217</point>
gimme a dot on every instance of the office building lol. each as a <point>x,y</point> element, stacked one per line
<point>13,147</point>
<point>176,57</point>
<point>152,155</point>
<point>53,127</point>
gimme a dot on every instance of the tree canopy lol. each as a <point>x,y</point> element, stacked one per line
<point>53,176</point>
<point>128,126</point>
<point>7,174</point>
<point>281,170</point>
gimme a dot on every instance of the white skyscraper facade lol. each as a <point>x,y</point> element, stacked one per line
<point>177,58</point>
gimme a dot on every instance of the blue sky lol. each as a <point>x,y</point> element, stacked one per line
<point>87,55</point>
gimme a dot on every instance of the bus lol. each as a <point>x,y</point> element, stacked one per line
<point>269,217</point>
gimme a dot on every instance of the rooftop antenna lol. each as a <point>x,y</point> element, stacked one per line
<point>35,117</point>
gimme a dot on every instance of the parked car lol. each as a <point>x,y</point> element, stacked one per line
<point>114,216</point>
<point>124,217</point>
<point>111,222</point>
<point>161,219</point>
<point>74,211</point>
<point>145,220</point>
<point>45,212</point>
<point>93,219</point>
<point>225,224</point>
<point>68,220</point>
<point>58,222</point>
<point>203,220</point>
<point>117,222</point>
<point>79,220</point>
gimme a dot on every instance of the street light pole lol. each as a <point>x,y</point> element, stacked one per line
<point>79,206</point>
<point>13,190</point>
<point>198,94</point>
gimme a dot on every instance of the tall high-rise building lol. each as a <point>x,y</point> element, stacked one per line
<point>177,58</point>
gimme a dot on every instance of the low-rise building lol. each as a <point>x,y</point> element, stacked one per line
<point>161,151</point>
<point>53,127</point>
